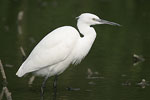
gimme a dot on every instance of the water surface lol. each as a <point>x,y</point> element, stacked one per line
<point>111,56</point>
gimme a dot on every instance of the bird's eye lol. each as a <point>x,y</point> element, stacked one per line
<point>94,19</point>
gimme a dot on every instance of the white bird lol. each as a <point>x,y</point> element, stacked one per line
<point>62,47</point>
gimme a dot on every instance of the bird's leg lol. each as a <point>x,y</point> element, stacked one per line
<point>42,87</point>
<point>55,87</point>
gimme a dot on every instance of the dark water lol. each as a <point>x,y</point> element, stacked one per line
<point>111,58</point>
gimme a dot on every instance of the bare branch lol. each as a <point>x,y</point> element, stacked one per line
<point>22,51</point>
<point>2,93</point>
<point>2,70</point>
<point>5,89</point>
<point>7,94</point>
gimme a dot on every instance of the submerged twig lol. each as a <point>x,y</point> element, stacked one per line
<point>143,83</point>
<point>137,59</point>
<point>9,65</point>
<point>2,93</point>
<point>5,89</point>
<point>20,15</point>
<point>91,74</point>
<point>23,53</point>
<point>7,93</point>
<point>31,79</point>
<point>20,18</point>
<point>3,74</point>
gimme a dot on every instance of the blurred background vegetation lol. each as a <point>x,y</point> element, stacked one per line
<point>117,71</point>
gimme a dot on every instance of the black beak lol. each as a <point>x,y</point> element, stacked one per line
<point>108,22</point>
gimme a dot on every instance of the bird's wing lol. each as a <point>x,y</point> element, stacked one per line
<point>52,49</point>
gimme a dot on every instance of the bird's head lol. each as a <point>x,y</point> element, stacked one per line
<point>91,19</point>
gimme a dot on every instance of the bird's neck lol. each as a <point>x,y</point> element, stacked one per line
<point>85,42</point>
<point>88,32</point>
<point>85,29</point>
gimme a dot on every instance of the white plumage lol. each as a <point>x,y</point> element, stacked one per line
<point>63,46</point>
<point>50,51</point>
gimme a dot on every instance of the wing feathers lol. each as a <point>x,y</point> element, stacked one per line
<point>52,49</point>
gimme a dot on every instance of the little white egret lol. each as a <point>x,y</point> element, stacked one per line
<point>62,47</point>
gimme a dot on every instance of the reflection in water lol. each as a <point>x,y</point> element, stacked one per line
<point>72,89</point>
<point>126,83</point>
<point>137,59</point>
<point>143,83</point>
<point>31,79</point>
<point>20,18</point>
<point>9,65</point>
<point>93,75</point>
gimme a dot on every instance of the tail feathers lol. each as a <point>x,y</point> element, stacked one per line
<point>20,72</point>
